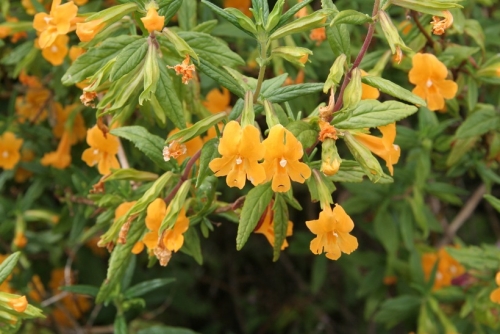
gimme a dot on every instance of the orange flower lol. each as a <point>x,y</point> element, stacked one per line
<point>243,5</point>
<point>281,159</point>
<point>80,2</point>
<point>75,52</point>
<point>217,101</point>
<point>495,294</point>
<point>56,52</point>
<point>19,304</point>
<point>241,150</point>
<point>28,6</point>
<point>86,31</point>
<point>122,209</point>
<point>33,106</point>
<point>20,239</point>
<point>429,76</point>
<point>153,21</point>
<point>77,131</point>
<point>9,150</point>
<point>61,158</point>
<point>185,70</point>
<point>332,233</point>
<point>29,80</point>
<point>180,151</point>
<point>22,174</point>
<point>4,31</point>
<point>102,151</point>
<point>5,286</point>
<point>318,35</point>
<point>448,268</point>
<point>439,26</point>
<point>57,22</point>
<point>367,91</point>
<point>173,238</point>
<point>383,147</point>
<point>266,227</point>
<point>302,12</point>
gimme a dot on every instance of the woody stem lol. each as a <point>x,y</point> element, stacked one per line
<point>414,15</point>
<point>359,58</point>
<point>262,70</point>
<point>184,177</point>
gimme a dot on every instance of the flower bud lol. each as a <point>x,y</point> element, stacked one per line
<point>19,304</point>
<point>363,156</point>
<point>353,91</point>
<point>432,7</point>
<point>295,55</point>
<point>330,159</point>
<point>336,73</point>
<point>392,36</point>
<point>86,31</point>
<point>271,118</point>
<point>248,114</point>
<point>275,15</point>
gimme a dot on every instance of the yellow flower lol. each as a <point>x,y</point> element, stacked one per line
<point>78,130</point>
<point>9,150</point>
<point>57,22</point>
<point>28,6</point>
<point>33,106</point>
<point>22,174</point>
<point>217,101</point>
<point>429,76</point>
<point>19,304</point>
<point>241,150</point>
<point>173,238</point>
<point>242,5</point>
<point>102,151</point>
<point>495,294</point>
<point>184,69</point>
<point>448,268</point>
<point>181,152</point>
<point>61,158</point>
<point>439,26</point>
<point>75,52</point>
<point>383,147</point>
<point>122,209</point>
<point>266,227</point>
<point>367,91</point>
<point>80,2</point>
<point>318,35</point>
<point>153,21</point>
<point>56,52</point>
<point>86,31</point>
<point>281,159</point>
<point>29,80</point>
<point>332,233</point>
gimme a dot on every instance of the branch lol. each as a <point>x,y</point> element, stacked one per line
<point>184,177</point>
<point>422,29</point>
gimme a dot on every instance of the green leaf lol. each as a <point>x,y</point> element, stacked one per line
<point>211,49</point>
<point>168,8</point>
<point>95,58</point>
<point>311,21</point>
<point>149,144</point>
<point>393,89</point>
<point>350,171</point>
<point>8,265</point>
<point>304,132</point>
<point>187,14</point>
<point>339,40</point>
<point>460,148</point>
<point>495,202</point>
<point>372,113</point>
<point>482,258</point>
<point>290,13</point>
<point>129,58</point>
<point>192,245</point>
<point>386,231</point>
<point>479,123</point>
<point>166,330</point>
<point>221,76</point>
<point>406,226</point>
<point>270,85</point>
<point>130,174</point>
<point>351,17</point>
<point>120,325</point>
<point>208,153</point>
<point>473,29</point>
<point>394,310</point>
<point>256,202</point>
<point>280,224</point>
<point>166,99</point>
<point>472,93</point>
<point>142,288</point>
<point>288,93</point>
<point>81,289</point>
<point>226,15</point>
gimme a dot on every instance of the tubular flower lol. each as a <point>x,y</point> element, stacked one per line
<point>102,151</point>
<point>241,150</point>
<point>495,294</point>
<point>23,174</point>
<point>383,147</point>
<point>266,227</point>
<point>75,52</point>
<point>180,151</point>
<point>56,52</point>
<point>242,5</point>
<point>439,26</point>
<point>368,92</point>
<point>19,304</point>
<point>153,21</point>
<point>86,31</point>
<point>447,269</point>
<point>332,233</point>
<point>217,101</point>
<point>184,69</point>
<point>281,159</point>
<point>172,238</point>
<point>429,76</point>
<point>57,22</point>
<point>20,239</point>
<point>318,35</point>
<point>9,150</point>
<point>61,158</point>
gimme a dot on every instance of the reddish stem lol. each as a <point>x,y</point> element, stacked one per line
<point>184,177</point>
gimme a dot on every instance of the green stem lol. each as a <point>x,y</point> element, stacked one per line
<point>262,71</point>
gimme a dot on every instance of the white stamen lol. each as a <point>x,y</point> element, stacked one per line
<point>47,19</point>
<point>453,269</point>
<point>396,147</point>
<point>54,48</point>
<point>96,152</point>
<point>5,154</point>
<point>439,276</point>
<point>239,161</point>
<point>335,234</point>
<point>429,83</point>
<point>283,162</point>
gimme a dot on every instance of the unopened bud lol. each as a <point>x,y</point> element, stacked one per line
<point>330,159</point>
<point>392,36</point>
<point>353,91</point>
<point>336,73</point>
<point>293,54</point>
